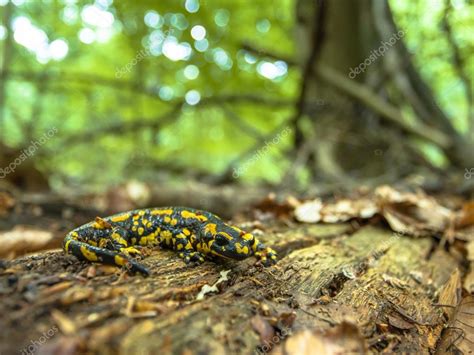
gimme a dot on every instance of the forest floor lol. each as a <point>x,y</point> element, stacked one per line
<point>354,285</point>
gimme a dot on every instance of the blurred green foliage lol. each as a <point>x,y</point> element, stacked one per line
<point>86,67</point>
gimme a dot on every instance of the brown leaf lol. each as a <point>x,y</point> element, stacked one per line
<point>460,333</point>
<point>76,294</point>
<point>450,292</point>
<point>263,328</point>
<point>469,280</point>
<point>309,212</point>
<point>415,214</point>
<point>64,323</point>
<point>23,239</point>
<point>338,211</point>
<point>6,202</point>
<point>466,216</point>
<point>342,339</point>
<point>276,206</point>
<point>400,323</point>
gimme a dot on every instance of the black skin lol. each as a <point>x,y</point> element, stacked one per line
<point>195,235</point>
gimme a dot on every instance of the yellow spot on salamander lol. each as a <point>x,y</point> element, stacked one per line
<point>179,247</point>
<point>141,213</point>
<point>174,222</point>
<point>120,260</point>
<point>186,232</point>
<point>247,236</point>
<point>225,235</point>
<point>166,236</point>
<point>187,214</point>
<point>255,244</point>
<point>89,255</point>
<point>241,250</point>
<point>66,247</point>
<point>120,218</point>
<point>141,231</point>
<point>202,218</point>
<point>204,248</point>
<point>103,242</point>
<point>161,212</point>
<point>210,228</point>
<point>136,223</point>
<point>100,223</point>
<point>167,219</point>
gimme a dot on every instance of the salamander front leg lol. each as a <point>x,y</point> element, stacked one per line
<point>191,256</point>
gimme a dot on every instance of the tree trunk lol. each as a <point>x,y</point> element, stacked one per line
<point>377,288</point>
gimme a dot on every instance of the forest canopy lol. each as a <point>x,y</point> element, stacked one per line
<point>136,89</point>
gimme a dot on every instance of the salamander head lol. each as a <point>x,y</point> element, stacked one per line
<point>227,241</point>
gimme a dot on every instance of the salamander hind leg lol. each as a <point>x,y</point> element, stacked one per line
<point>84,250</point>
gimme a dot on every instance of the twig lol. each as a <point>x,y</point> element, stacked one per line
<point>124,128</point>
<point>61,78</point>
<point>7,55</point>
<point>459,64</point>
<point>241,124</point>
<point>422,90</point>
<point>385,109</point>
<point>308,70</point>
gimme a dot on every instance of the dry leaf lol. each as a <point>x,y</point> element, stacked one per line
<point>413,214</point>
<point>6,202</point>
<point>23,239</point>
<point>460,333</point>
<point>339,211</point>
<point>466,216</point>
<point>76,294</point>
<point>399,322</point>
<point>309,212</point>
<point>469,280</point>
<point>342,339</point>
<point>450,293</point>
<point>263,328</point>
<point>64,323</point>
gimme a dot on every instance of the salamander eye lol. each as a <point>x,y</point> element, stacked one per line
<point>221,240</point>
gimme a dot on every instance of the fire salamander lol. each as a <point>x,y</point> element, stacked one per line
<point>195,235</point>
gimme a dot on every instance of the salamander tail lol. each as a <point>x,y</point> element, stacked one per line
<point>84,251</point>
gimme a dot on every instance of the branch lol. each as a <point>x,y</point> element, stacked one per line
<point>84,78</point>
<point>390,113</point>
<point>317,40</point>
<point>459,65</point>
<point>131,126</point>
<point>226,176</point>
<point>416,85</point>
<point>241,124</point>
<point>371,100</point>
<point>7,55</point>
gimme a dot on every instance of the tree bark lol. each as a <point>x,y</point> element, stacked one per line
<point>382,285</point>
